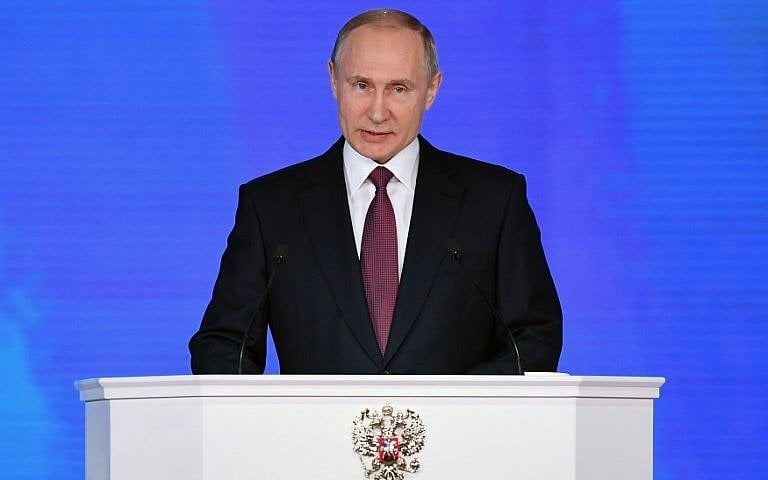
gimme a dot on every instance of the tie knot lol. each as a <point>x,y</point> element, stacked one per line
<point>380,177</point>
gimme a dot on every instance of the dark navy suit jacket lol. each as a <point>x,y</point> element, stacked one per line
<point>317,309</point>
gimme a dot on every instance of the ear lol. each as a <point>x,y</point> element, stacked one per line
<point>331,73</point>
<point>434,85</point>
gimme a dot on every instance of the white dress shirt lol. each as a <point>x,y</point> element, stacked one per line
<point>360,191</point>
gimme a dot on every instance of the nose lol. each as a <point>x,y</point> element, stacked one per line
<point>377,109</point>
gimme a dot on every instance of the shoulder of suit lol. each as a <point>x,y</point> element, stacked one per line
<point>469,169</point>
<point>278,177</point>
<point>297,175</point>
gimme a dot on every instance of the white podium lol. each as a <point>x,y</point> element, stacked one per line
<point>545,426</point>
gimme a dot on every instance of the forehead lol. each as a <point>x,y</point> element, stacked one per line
<point>373,49</point>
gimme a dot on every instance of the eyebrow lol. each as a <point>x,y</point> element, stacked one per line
<point>402,81</point>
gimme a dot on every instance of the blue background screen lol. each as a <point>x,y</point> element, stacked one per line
<point>641,126</point>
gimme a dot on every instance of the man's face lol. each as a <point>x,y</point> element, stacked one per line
<point>382,89</point>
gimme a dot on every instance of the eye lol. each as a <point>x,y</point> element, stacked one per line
<point>360,85</point>
<point>399,89</point>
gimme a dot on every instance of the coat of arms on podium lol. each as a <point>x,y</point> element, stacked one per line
<point>387,442</point>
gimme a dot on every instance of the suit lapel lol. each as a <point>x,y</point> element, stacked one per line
<point>435,208</point>
<point>326,214</point>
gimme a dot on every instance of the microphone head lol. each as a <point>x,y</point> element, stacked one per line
<point>453,248</point>
<point>281,254</point>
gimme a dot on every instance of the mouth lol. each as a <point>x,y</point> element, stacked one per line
<point>373,136</point>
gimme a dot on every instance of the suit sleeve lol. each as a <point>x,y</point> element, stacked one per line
<point>215,348</point>
<point>525,293</point>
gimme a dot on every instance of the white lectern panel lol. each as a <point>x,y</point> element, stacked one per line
<point>290,427</point>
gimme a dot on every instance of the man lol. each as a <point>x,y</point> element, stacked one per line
<point>368,285</point>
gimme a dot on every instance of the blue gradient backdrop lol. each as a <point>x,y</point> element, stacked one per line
<point>642,126</point>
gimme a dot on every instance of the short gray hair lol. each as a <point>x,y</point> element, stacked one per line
<point>389,18</point>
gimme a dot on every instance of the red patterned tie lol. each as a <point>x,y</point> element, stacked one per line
<point>378,257</point>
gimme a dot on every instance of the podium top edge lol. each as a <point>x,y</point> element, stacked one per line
<point>535,385</point>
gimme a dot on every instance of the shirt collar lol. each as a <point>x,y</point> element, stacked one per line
<point>403,166</point>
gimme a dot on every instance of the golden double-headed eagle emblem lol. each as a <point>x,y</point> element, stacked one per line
<point>387,442</point>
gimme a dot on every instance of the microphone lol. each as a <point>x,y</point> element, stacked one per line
<point>280,257</point>
<point>455,251</point>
